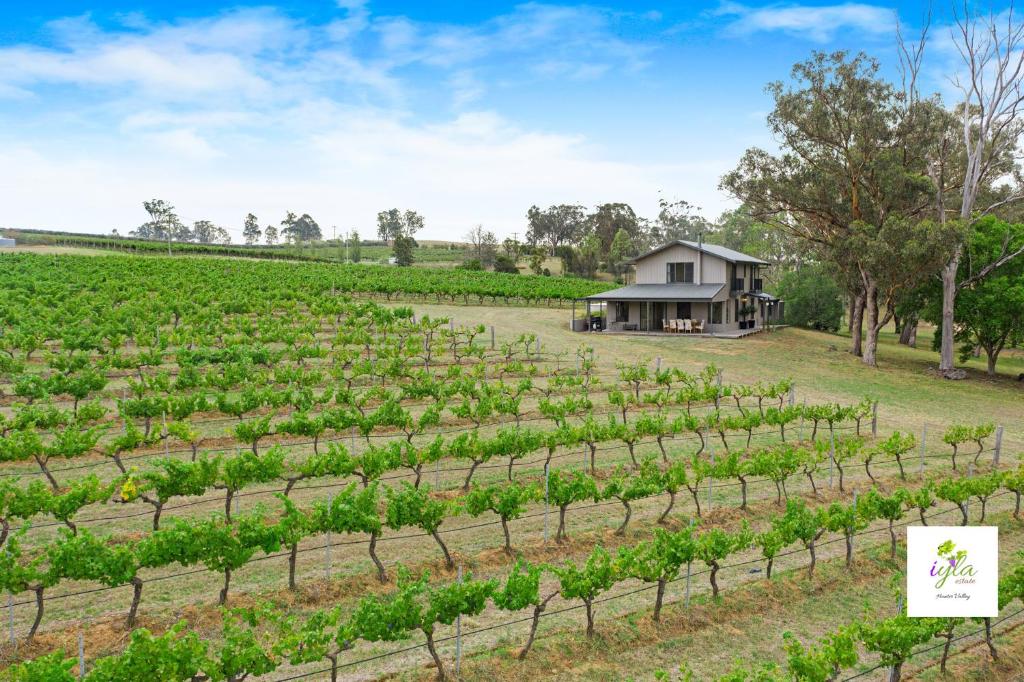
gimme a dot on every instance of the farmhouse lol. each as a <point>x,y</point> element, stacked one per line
<point>688,288</point>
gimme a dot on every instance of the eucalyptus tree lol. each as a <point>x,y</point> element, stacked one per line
<point>850,182</point>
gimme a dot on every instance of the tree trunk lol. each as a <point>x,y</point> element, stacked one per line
<point>537,611</point>
<point>40,605</point>
<point>714,578</point>
<point>988,639</point>
<point>441,675</point>
<point>857,325</point>
<point>449,564</point>
<point>992,355</point>
<point>469,476</point>
<point>156,514</point>
<point>625,522</point>
<point>948,303</point>
<point>908,335</point>
<point>590,617</point>
<point>292,555</point>
<point>136,599</point>
<point>768,572</point>
<point>814,560</point>
<point>508,539</point>
<point>743,492</point>
<point>945,650</point>
<point>664,514</point>
<point>382,575</point>
<point>227,584</point>
<point>560,533</point>
<point>870,356</point>
<point>658,601</point>
<point>849,550</point>
<point>696,498</point>
<point>814,486</point>
<point>46,471</point>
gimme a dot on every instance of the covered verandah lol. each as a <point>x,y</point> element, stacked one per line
<point>687,309</point>
<point>668,308</point>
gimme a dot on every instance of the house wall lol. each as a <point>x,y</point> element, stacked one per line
<point>651,270</point>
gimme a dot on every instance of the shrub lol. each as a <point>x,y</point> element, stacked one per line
<point>505,264</point>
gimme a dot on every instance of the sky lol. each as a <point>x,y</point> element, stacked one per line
<point>468,112</point>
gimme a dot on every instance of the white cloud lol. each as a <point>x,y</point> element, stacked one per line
<point>818,23</point>
<point>477,167</point>
<point>184,143</point>
<point>251,110</point>
<point>186,61</point>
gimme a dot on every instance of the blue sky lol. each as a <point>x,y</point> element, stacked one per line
<point>466,112</point>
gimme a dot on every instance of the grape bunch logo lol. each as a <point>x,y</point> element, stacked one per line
<point>952,563</point>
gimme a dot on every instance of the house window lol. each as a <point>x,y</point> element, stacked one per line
<point>716,312</point>
<point>683,310</point>
<point>679,273</point>
<point>621,311</point>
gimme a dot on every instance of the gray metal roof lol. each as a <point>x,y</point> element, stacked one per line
<point>763,295</point>
<point>660,292</point>
<point>713,249</point>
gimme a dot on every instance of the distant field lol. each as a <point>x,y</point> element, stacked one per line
<point>429,252</point>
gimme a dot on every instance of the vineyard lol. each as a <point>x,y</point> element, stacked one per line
<point>226,470</point>
<point>319,251</point>
<point>300,280</point>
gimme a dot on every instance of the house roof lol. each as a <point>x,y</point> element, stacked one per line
<point>713,249</point>
<point>660,292</point>
<point>764,296</point>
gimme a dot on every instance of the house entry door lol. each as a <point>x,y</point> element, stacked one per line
<point>645,316</point>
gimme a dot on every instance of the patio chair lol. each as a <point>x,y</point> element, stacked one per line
<point>679,326</point>
<point>672,326</point>
<point>687,326</point>
<point>664,326</point>
<point>698,326</point>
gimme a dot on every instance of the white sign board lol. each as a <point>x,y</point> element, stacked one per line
<point>953,571</point>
